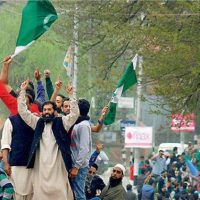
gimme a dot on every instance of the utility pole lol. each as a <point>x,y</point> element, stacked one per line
<point>75,65</point>
<point>90,61</point>
<point>182,134</point>
<point>153,136</point>
<point>182,140</point>
<point>138,116</point>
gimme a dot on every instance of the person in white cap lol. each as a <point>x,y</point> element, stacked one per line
<point>114,190</point>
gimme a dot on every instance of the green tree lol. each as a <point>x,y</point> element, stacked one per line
<point>165,33</point>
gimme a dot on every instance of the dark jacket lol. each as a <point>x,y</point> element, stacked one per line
<point>113,193</point>
<point>96,184</point>
<point>131,195</point>
<point>63,139</point>
<point>140,182</point>
<point>22,137</point>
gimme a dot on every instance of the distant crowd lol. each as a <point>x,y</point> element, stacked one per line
<point>170,176</point>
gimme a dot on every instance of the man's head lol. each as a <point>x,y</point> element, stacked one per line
<point>31,93</point>
<point>30,97</point>
<point>151,181</point>
<point>66,106</point>
<point>93,169</point>
<point>180,158</point>
<point>117,175</point>
<point>190,143</point>
<point>59,101</point>
<point>29,101</point>
<point>175,150</point>
<point>129,187</point>
<point>141,158</point>
<point>84,107</point>
<point>48,109</point>
<point>118,171</point>
<point>164,173</point>
<point>161,153</point>
<point>147,163</point>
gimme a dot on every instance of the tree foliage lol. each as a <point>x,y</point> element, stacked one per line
<point>165,33</point>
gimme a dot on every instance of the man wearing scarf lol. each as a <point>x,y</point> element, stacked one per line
<point>81,145</point>
<point>49,157</point>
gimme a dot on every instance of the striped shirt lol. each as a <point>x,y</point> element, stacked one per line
<point>6,188</point>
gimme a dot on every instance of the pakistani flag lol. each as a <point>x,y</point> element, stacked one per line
<point>127,80</point>
<point>37,17</point>
<point>68,61</point>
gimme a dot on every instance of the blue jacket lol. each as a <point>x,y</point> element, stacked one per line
<point>22,137</point>
<point>93,158</point>
<point>63,139</point>
<point>147,192</point>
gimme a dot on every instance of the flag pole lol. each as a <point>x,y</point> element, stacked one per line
<point>75,60</point>
<point>138,116</point>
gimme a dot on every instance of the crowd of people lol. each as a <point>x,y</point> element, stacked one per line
<point>46,149</point>
<point>46,142</point>
<point>170,176</point>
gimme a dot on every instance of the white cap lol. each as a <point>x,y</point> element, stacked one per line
<point>121,167</point>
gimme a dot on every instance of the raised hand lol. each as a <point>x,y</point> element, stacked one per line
<point>37,75</point>
<point>7,60</point>
<point>69,90</point>
<point>58,84</point>
<point>104,110</point>
<point>99,146</point>
<point>24,85</point>
<point>47,73</point>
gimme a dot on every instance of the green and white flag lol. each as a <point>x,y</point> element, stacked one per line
<point>127,80</point>
<point>37,17</point>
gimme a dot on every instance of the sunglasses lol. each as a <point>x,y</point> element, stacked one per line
<point>117,171</point>
<point>91,172</point>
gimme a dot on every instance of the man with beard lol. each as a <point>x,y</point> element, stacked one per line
<point>59,102</point>
<point>114,190</point>
<point>49,157</point>
<point>66,106</point>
